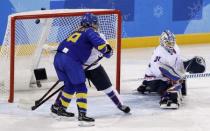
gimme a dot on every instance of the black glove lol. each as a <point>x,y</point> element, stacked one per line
<point>109,51</point>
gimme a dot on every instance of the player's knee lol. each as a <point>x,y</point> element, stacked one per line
<point>68,87</point>
<point>80,87</point>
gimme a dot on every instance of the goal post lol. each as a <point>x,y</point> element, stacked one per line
<point>27,32</point>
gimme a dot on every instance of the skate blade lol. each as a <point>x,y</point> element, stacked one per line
<point>62,118</point>
<point>86,124</point>
<point>172,106</point>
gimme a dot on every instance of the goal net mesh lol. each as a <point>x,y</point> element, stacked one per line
<point>30,31</point>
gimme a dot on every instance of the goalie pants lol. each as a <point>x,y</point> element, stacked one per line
<point>161,86</point>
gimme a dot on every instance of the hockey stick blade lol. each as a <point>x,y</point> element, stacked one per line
<point>44,100</point>
<point>38,101</point>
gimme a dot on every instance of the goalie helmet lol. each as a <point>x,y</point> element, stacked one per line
<point>167,40</point>
<point>89,20</point>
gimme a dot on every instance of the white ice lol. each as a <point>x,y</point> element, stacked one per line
<point>145,115</point>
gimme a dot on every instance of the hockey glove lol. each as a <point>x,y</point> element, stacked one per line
<point>109,51</point>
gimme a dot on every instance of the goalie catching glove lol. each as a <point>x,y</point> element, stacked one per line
<point>195,65</point>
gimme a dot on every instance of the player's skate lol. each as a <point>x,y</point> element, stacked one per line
<point>61,113</point>
<point>124,108</point>
<point>84,120</point>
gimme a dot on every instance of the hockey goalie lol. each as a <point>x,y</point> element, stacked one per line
<point>166,71</point>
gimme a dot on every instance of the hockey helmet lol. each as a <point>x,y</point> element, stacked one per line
<point>167,40</point>
<point>88,20</point>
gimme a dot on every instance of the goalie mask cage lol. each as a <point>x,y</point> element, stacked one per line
<point>27,32</point>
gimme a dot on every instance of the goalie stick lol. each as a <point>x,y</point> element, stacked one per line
<point>43,99</point>
<point>197,75</point>
<point>189,76</point>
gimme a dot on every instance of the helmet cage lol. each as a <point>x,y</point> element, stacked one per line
<point>169,44</point>
<point>167,40</point>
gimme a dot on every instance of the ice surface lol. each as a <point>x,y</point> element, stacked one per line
<point>145,115</point>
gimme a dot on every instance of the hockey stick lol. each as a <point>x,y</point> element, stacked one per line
<point>190,76</point>
<point>96,61</point>
<point>38,101</point>
<point>42,100</point>
<point>197,75</point>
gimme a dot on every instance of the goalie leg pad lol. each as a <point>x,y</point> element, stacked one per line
<point>184,88</point>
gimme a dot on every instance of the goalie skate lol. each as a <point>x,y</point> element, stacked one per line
<point>169,105</point>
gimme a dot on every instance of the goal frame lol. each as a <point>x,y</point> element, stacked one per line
<point>41,15</point>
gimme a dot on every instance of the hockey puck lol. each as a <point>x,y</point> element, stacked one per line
<point>37,21</point>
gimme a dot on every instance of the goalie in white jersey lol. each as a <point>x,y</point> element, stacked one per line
<point>166,71</point>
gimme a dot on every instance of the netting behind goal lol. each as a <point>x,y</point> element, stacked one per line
<point>22,49</point>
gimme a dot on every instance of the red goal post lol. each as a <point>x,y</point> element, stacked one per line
<point>12,50</point>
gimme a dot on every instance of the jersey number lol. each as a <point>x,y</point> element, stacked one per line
<point>157,58</point>
<point>74,37</point>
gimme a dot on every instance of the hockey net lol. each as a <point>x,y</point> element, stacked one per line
<point>22,49</point>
